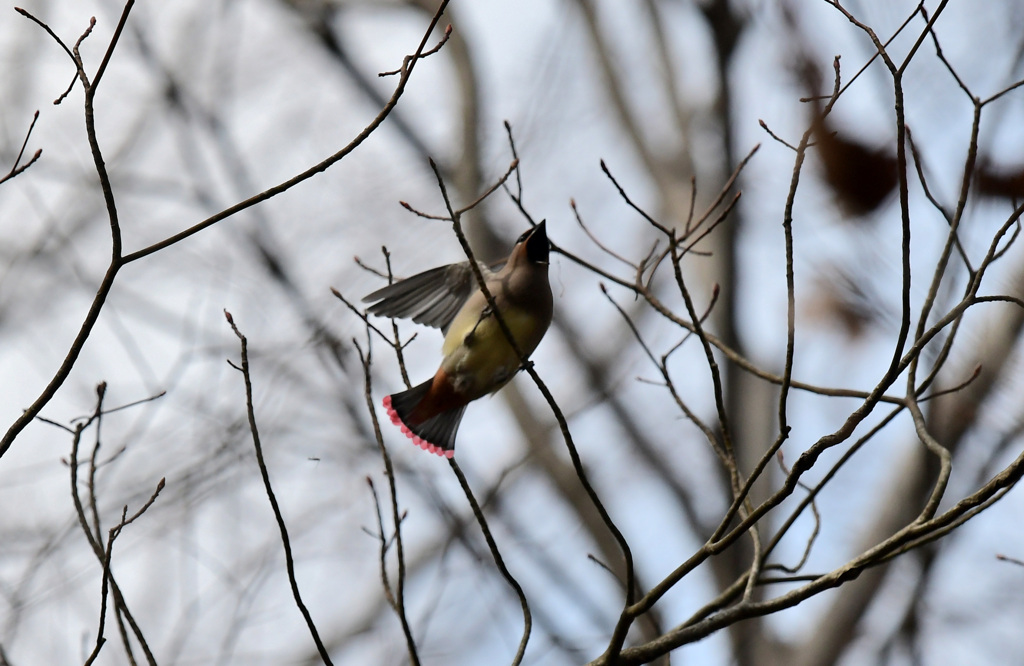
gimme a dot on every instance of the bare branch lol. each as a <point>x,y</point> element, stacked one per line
<point>18,168</point>
<point>278,516</point>
<point>397,600</point>
<point>498,561</point>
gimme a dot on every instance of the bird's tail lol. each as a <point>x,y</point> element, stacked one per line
<point>435,434</point>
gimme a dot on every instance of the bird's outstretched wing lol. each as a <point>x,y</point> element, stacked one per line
<point>432,298</point>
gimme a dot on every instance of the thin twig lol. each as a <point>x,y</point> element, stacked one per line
<point>113,42</point>
<point>409,60</point>
<point>498,561</point>
<point>17,167</point>
<point>1007,558</point>
<point>397,346</point>
<point>594,239</point>
<point>814,532</point>
<point>629,202</point>
<point>912,536</point>
<point>406,72</point>
<point>398,600</point>
<point>92,535</point>
<point>115,263</point>
<point>278,516</point>
<point>662,366</point>
<point>455,218</point>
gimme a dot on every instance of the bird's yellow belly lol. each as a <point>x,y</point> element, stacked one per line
<point>477,355</point>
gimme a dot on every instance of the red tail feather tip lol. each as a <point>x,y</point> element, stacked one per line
<point>416,439</point>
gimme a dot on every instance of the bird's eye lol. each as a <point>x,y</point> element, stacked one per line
<point>524,236</point>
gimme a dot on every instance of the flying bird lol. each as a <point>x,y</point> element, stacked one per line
<point>477,357</point>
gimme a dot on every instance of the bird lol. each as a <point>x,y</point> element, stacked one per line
<point>477,357</point>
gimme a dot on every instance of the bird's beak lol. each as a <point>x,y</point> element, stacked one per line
<point>537,246</point>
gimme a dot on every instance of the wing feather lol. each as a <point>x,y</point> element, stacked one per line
<point>432,298</point>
